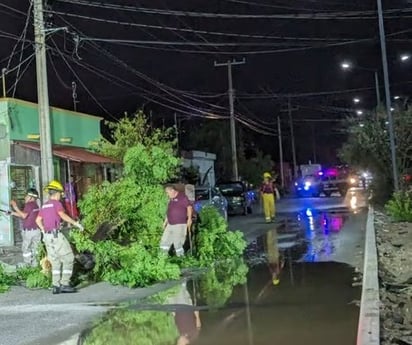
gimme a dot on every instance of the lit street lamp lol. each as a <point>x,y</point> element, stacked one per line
<point>356,100</point>
<point>346,65</point>
<point>405,57</point>
<point>397,97</point>
<point>359,112</point>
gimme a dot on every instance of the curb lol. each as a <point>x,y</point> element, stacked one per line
<point>369,316</point>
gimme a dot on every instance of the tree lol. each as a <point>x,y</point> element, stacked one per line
<point>132,130</point>
<point>368,147</point>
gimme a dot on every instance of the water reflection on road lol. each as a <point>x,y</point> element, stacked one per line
<point>309,303</point>
<point>285,291</point>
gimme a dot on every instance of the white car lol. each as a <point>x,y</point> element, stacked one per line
<point>210,196</point>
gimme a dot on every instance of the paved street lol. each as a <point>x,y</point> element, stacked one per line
<point>323,228</point>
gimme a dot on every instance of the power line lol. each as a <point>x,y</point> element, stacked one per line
<point>83,85</point>
<point>371,14</point>
<point>203,32</point>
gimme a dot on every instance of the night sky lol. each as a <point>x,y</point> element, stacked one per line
<point>159,55</point>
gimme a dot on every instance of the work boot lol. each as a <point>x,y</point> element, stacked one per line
<point>55,290</point>
<point>67,289</point>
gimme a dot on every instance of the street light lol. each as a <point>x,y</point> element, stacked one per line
<point>359,112</point>
<point>347,65</point>
<point>356,100</point>
<point>397,97</point>
<point>405,57</point>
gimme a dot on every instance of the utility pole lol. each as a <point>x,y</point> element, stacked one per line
<point>177,132</point>
<point>282,174</point>
<point>229,64</point>
<point>388,96</point>
<point>3,77</point>
<point>292,138</point>
<point>46,156</point>
<point>314,143</point>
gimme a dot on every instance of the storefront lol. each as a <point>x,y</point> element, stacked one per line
<point>72,135</point>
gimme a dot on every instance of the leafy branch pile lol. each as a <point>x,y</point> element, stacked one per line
<point>123,219</point>
<point>213,241</point>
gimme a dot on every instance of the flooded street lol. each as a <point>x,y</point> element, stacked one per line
<point>294,286</point>
<point>312,303</point>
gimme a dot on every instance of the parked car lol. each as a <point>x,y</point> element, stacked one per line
<point>237,196</point>
<point>210,196</point>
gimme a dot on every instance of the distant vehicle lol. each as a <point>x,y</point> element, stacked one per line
<point>238,198</point>
<point>309,185</point>
<point>205,196</point>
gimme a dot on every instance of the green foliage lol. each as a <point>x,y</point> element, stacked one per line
<point>252,169</point>
<point>213,240</point>
<point>132,265</point>
<point>6,279</point>
<point>34,277</point>
<point>216,286</point>
<point>130,327</point>
<point>131,131</point>
<point>368,147</point>
<point>400,207</point>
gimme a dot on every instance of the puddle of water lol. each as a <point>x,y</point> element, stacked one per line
<point>292,303</point>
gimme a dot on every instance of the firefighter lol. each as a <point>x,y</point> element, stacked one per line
<point>30,234</point>
<point>58,248</point>
<point>267,192</point>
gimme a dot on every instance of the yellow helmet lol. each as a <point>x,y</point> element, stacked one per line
<point>54,185</point>
<point>267,175</point>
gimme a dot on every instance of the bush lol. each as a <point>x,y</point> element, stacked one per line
<point>400,207</point>
<point>6,280</point>
<point>34,277</point>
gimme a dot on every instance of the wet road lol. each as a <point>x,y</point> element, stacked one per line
<point>293,287</point>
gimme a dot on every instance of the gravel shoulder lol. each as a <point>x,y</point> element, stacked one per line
<point>394,243</point>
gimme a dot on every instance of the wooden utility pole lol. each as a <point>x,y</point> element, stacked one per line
<point>229,64</point>
<point>282,173</point>
<point>47,171</point>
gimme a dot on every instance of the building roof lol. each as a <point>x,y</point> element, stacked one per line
<point>74,154</point>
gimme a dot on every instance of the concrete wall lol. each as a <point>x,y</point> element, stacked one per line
<point>204,161</point>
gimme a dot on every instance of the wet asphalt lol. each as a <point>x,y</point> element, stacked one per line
<point>299,276</point>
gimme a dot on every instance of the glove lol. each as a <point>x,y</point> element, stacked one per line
<point>79,226</point>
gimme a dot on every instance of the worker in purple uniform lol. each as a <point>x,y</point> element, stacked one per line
<point>58,248</point>
<point>178,221</point>
<point>31,234</point>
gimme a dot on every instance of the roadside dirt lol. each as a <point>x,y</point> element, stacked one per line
<point>394,242</point>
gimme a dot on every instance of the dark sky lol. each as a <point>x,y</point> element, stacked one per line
<point>157,55</point>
